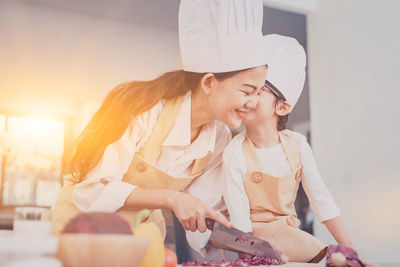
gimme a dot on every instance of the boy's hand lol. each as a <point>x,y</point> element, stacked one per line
<point>367,263</point>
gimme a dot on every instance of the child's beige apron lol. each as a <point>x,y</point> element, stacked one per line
<point>142,172</point>
<point>272,209</point>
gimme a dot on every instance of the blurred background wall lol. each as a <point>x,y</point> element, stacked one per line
<point>354,60</point>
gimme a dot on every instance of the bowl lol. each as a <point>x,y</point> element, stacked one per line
<point>101,250</point>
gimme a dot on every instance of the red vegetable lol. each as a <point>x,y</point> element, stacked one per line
<point>254,261</point>
<point>170,258</point>
<point>241,239</point>
<point>98,223</point>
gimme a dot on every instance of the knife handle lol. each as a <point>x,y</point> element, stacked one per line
<point>210,223</point>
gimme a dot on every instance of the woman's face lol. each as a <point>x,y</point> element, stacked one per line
<point>231,99</point>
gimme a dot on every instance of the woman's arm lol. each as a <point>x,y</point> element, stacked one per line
<point>103,188</point>
<point>190,211</point>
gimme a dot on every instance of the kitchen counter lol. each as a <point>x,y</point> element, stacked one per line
<point>16,248</point>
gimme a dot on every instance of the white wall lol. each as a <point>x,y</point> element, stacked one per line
<point>52,60</point>
<point>354,66</point>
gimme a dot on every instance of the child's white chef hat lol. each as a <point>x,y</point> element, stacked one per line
<point>221,35</point>
<point>286,61</point>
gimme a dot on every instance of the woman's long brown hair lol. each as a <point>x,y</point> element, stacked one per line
<point>120,107</point>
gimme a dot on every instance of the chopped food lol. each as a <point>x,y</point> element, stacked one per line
<point>98,223</point>
<point>242,262</point>
<point>243,239</point>
<point>342,256</point>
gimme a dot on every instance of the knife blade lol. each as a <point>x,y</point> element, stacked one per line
<point>241,242</point>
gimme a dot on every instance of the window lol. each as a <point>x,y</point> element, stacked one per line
<point>31,156</point>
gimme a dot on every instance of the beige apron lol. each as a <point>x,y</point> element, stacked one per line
<point>142,172</point>
<point>272,209</point>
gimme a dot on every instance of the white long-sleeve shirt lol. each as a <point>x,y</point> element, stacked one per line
<point>176,159</point>
<point>274,162</point>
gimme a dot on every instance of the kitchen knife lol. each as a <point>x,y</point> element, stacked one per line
<point>238,241</point>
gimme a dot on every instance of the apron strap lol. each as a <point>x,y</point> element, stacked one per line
<point>249,151</point>
<point>288,144</point>
<point>291,149</point>
<point>200,164</point>
<point>152,148</point>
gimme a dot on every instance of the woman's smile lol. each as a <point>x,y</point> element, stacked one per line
<point>241,114</point>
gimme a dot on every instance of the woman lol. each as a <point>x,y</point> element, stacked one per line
<point>150,140</point>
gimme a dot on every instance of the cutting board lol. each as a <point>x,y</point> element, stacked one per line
<point>297,264</point>
<point>292,264</point>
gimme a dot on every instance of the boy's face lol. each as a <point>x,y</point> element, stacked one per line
<point>265,110</point>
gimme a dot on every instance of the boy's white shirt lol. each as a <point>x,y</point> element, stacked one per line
<point>274,162</point>
<point>176,159</point>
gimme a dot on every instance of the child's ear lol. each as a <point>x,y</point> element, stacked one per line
<point>207,83</point>
<point>282,108</point>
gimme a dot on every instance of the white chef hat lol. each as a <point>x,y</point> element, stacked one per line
<point>286,61</point>
<point>221,35</point>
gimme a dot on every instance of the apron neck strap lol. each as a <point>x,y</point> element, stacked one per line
<point>199,165</point>
<point>291,150</point>
<point>249,151</point>
<point>288,144</point>
<point>152,148</point>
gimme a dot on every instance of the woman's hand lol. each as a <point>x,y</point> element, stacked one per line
<point>192,212</point>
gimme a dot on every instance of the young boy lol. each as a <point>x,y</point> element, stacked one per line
<point>263,166</point>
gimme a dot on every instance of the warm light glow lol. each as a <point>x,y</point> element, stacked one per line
<point>40,134</point>
<point>33,148</point>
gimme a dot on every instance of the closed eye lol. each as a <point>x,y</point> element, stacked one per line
<point>262,90</point>
<point>246,93</point>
